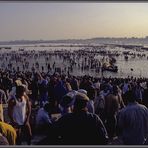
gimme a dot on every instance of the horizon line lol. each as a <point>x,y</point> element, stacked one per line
<point>132,37</point>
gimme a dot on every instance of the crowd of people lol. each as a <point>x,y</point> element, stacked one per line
<point>67,109</point>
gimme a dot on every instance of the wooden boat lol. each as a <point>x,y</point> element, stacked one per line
<point>21,49</point>
<point>111,68</point>
<point>7,47</point>
<point>107,66</point>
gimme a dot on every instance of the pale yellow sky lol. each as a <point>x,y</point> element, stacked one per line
<point>72,20</point>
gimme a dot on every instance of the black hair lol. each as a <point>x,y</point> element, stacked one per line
<point>47,107</point>
<point>115,89</point>
<point>91,93</point>
<point>20,90</point>
<point>130,96</point>
<point>79,104</point>
<point>65,101</point>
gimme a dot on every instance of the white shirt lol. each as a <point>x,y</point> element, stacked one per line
<point>19,111</point>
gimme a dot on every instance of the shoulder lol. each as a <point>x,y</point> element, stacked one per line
<point>1,91</point>
<point>12,100</point>
<point>123,110</point>
<point>66,117</point>
<point>143,107</point>
<point>63,120</point>
<point>94,117</point>
<point>26,97</point>
<point>40,111</point>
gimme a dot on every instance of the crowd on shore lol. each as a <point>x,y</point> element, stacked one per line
<point>37,97</point>
<point>69,109</point>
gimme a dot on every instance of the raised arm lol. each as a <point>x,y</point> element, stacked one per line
<point>11,104</point>
<point>28,109</point>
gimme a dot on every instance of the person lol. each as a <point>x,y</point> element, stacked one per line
<point>9,132</point>
<point>74,83</point>
<point>139,92</point>
<point>34,88</point>
<point>12,92</point>
<point>133,122</point>
<point>43,90</point>
<point>66,104</point>
<point>99,105</point>
<point>125,88</point>
<point>62,88</point>
<point>43,118</point>
<point>3,140</point>
<point>112,106</point>
<point>6,83</point>
<point>91,95</point>
<point>145,94</point>
<point>52,90</point>
<point>19,110</point>
<point>3,97</point>
<point>80,126</point>
<point>82,91</point>
<point>2,100</point>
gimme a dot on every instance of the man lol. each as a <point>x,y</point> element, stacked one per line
<point>43,118</point>
<point>3,99</point>
<point>113,102</point>
<point>19,110</point>
<point>91,93</point>
<point>9,132</point>
<point>43,89</point>
<point>133,122</point>
<point>66,104</point>
<point>81,127</point>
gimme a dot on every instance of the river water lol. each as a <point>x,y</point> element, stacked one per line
<point>138,64</point>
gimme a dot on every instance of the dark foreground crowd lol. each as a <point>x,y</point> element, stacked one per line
<point>72,110</point>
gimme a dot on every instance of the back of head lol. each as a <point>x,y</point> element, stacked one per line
<point>130,96</point>
<point>47,107</point>
<point>66,101</point>
<point>20,90</point>
<point>80,101</point>
<point>91,93</point>
<point>115,89</point>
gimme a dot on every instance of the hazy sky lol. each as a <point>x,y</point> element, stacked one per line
<point>46,20</point>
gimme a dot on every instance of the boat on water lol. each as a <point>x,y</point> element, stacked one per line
<point>8,48</point>
<point>21,49</point>
<point>109,67</point>
<point>112,60</point>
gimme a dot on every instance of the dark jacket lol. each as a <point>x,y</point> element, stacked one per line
<point>81,128</point>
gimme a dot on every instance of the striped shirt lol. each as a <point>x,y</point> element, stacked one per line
<point>133,123</point>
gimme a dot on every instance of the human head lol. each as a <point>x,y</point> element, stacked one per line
<point>66,101</point>
<point>20,90</point>
<point>115,89</point>
<point>105,87</point>
<point>47,107</point>
<point>82,91</point>
<point>80,102</point>
<point>130,96</point>
<point>91,93</point>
